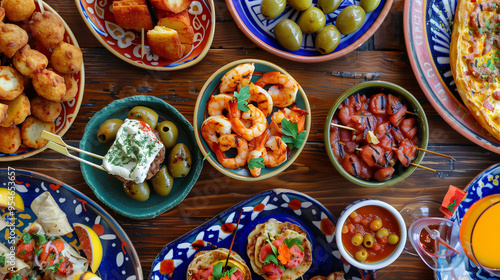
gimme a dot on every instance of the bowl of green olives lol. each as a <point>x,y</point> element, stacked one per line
<point>309,30</point>
<point>174,176</point>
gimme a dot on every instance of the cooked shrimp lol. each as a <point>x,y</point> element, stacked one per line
<point>227,142</point>
<point>239,76</point>
<point>295,115</point>
<point>218,103</point>
<point>277,153</point>
<point>262,98</point>
<point>284,89</point>
<point>259,122</point>
<point>258,152</point>
<point>213,125</point>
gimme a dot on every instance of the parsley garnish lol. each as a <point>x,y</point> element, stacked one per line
<point>2,259</point>
<point>26,238</point>
<point>256,163</point>
<point>41,239</point>
<point>206,156</point>
<point>242,98</point>
<point>490,64</point>
<point>272,258</point>
<point>293,241</point>
<point>23,252</point>
<point>16,277</point>
<point>218,274</point>
<point>291,135</point>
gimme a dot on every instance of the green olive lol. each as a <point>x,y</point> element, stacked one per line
<point>361,255</point>
<point>107,131</point>
<point>288,34</point>
<point>368,240</point>
<point>162,181</point>
<point>179,161</point>
<point>393,239</point>
<point>312,20</point>
<point>350,19</point>
<point>327,39</point>
<point>369,5</point>
<point>357,239</point>
<point>376,224</point>
<point>300,5</point>
<point>168,133</point>
<point>329,6</point>
<point>381,233</point>
<point>144,114</point>
<point>272,8</point>
<point>137,191</point>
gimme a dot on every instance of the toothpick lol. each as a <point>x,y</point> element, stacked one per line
<point>423,167</point>
<point>345,127</point>
<point>142,43</point>
<point>431,152</point>
<point>40,4</point>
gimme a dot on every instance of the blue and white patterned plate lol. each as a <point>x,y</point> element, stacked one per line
<point>250,20</point>
<point>119,260</point>
<point>281,204</point>
<point>486,183</point>
<point>428,28</point>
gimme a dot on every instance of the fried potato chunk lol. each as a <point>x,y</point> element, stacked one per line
<point>175,6</point>
<point>10,139</point>
<point>180,22</point>
<point>11,83</point>
<point>71,88</point>
<point>3,111</point>
<point>67,58</point>
<point>17,111</point>
<point>28,61</point>
<point>18,10</point>
<point>47,28</point>
<point>132,14</point>
<point>12,38</point>
<point>165,43</point>
<point>31,131</point>
<point>49,85</point>
<point>45,110</point>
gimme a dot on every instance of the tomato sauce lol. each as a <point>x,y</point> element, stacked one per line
<point>361,224</point>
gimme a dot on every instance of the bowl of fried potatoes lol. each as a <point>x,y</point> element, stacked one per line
<point>41,77</point>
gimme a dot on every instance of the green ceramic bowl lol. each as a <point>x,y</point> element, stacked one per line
<point>108,189</point>
<point>211,86</point>
<point>370,88</point>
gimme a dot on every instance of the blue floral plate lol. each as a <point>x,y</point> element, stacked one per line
<point>250,20</point>
<point>428,26</point>
<point>119,260</point>
<point>486,183</point>
<point>281,204</point>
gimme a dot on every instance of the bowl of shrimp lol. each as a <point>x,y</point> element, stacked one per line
<point>375,133</point>
<point>251,119</point>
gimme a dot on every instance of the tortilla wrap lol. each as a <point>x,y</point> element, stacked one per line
<point>205,258</point>
<point>276,230</point>
<point>50,216</point>
<point>20,266</point>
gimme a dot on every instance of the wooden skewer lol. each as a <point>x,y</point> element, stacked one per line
<point>423,167</point>
<point>40,4</point>
<point>431,152</point>
<point>58,140</point>
<point>345,127</point>
<point>411,113</point>
<point>62,150</point>
<point>142,43</point>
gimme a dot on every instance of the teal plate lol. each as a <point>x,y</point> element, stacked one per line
<point>211,87</point>
<point>108,189</point>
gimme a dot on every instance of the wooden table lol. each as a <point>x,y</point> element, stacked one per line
<point>108,78</point>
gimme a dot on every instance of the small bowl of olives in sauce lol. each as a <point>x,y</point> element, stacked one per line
<point>173,177</point>
<point>309,30</point>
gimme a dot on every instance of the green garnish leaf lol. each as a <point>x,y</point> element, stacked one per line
<point>54,267</point>
<point>15,277</point>
<point>242,98</point>
<point>217,274</point>
<point>230,272</point>
<point>26,238</point>
<point>290,242</point>
<point>41,239</point>
<point>271,259</point>
<point>291,135</point>
<point>275,250</point>
<point>206,156</point>
<point>2,260</point>
<point>23,252</point>
<point>256,163</point>
<point>38,251</point>
<point>490,64</point>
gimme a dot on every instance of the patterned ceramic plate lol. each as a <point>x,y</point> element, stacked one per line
<point>281,204</point>
<point>119,261</point>
<point>126,44</point>
<point>69,109</point>
<point>486,183</point>
<point>250,20</point>
<point>427,26</point>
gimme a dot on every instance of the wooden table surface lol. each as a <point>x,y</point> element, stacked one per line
<point>108,78</point>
